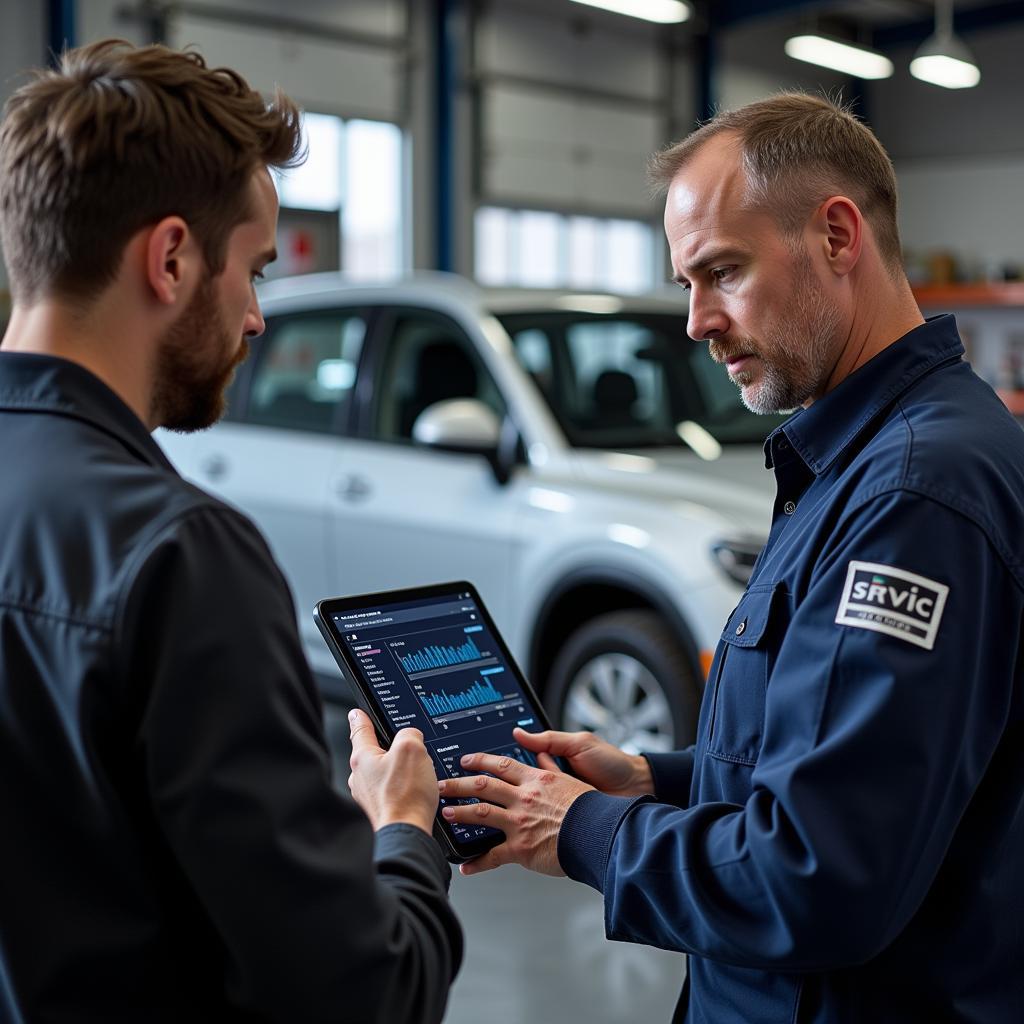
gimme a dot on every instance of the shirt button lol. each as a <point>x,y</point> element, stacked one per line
<point>741,628</point>
<point>789,508</point>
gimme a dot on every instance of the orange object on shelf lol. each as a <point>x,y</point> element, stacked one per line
<point>958,296</point>
<point>706,657</point>
<point>1013,400</point>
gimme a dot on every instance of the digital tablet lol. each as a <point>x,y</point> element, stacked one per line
<point>431,657</point>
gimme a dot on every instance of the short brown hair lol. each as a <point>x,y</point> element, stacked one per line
<point>798,150</point>
<point>119,137</point>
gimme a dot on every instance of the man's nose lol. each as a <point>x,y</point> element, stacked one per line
<point>254,322</point>
<point>706,318</point>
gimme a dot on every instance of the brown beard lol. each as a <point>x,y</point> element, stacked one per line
<point>194,366</point>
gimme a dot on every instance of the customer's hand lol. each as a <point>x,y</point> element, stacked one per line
<point>396,785</point>
<point>528,804</point>
<point>594,760</point>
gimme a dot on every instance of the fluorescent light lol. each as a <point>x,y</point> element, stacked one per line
<point>942,59</point>
<point>664,12</point>
<point>949,72</point>
<point>831,53</point>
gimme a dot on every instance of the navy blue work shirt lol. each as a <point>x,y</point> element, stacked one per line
<point>845,841</point>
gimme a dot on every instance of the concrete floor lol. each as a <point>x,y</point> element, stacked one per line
<point>536,951</point>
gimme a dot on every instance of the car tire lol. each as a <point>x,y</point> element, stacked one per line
<point>626,677</point>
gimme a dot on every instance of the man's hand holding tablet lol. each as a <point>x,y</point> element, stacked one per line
<point>529,804</point>
<point>393,785</point>
<point>429,662</point>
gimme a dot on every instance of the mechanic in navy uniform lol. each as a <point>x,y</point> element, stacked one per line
<point>173,849</point>
<point>845,841</point>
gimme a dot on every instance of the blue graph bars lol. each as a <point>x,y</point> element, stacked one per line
<point>477,694</point>
<point>439,657</point>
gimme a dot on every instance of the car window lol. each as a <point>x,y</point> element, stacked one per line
<point>533,350</point>
<point>428,359</point>
<point>721,398</point>
<point>234,396</point>
<point>306,370</point>
<point>615,384</point>
<point>630,380</point>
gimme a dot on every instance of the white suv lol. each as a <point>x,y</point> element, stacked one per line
<point>577,457</point>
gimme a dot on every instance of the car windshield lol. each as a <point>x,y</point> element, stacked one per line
<point>632,380</point>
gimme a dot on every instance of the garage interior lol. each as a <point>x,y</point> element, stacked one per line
<point>505,141</point>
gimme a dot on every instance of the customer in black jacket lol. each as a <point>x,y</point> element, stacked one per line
<point>172,848</point>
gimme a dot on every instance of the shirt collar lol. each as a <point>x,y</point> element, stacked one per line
<point>40,383</point>
<point>820,433</point>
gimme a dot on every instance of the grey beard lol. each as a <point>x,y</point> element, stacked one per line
<point>795,378</point>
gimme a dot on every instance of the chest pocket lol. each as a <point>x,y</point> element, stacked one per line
<point>749,641</point>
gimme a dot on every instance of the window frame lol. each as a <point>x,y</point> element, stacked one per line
<point>375,353</point>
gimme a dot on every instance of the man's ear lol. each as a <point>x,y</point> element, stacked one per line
<point>172,258</point>
<point>841,229</point>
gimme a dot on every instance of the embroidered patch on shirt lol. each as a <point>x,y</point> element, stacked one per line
<point>893,601</point>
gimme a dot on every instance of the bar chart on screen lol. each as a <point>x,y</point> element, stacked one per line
<point>469,702</point>
<point>436,656</point>
<point>477,695</point>
<point>446,677</point>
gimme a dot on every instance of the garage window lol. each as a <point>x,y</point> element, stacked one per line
<point>353,170</point>
<point>538,249</point>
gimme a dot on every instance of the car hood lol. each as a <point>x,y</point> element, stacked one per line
<point>736,485</point>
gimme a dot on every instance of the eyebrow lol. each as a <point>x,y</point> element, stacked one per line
<point>710,258</point>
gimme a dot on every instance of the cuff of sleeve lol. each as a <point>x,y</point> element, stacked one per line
<point>671,774</point>
<point>587,833</point>
<point>394,840</point>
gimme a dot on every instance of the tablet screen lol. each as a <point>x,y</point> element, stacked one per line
<point>435,663</point>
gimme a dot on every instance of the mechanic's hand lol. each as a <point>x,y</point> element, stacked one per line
<point>526,803</point>
<point>595,760</point>
<point>393,785</point>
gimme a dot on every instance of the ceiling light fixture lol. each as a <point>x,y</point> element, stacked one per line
<point>849,58</point>
<point>943,59</point>
<point>664,12</point>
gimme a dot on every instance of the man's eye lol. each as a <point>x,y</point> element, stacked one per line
<point>257,275</point>
<point>721,273</point>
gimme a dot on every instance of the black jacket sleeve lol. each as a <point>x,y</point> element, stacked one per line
<point>320,920</point>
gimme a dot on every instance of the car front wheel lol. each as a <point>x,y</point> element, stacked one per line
<point>625,677</point>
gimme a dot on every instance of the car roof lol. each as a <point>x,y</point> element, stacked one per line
<point>509,300</point>
<point>310,291</point>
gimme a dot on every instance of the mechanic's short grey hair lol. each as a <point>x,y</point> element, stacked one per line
<point>797,151</point>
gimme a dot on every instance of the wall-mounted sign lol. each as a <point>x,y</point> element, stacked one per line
<point>308,241</point>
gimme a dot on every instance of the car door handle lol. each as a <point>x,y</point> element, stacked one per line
<point>353,488</point>
<point>214,467</point>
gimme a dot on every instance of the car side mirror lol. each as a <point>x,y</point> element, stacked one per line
<point>467,426</point>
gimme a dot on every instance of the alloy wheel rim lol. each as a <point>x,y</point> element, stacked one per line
<point>617,697</point>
